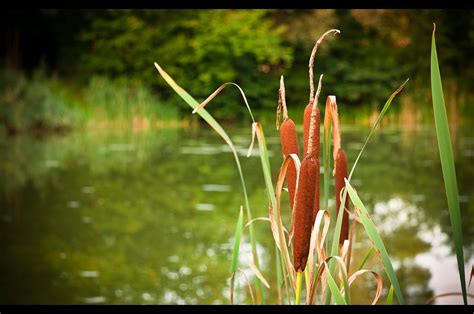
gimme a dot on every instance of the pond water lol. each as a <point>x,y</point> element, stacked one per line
<point>118,217</point>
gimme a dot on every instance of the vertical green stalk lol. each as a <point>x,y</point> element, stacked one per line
<point>306,276</point>
<point>235,251</point>
<point>447,161</point>
<point>390,296</point>
<point>279,275</point>
<point>298,287</point>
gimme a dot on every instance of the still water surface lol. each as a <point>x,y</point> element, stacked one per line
<point>148,218</point>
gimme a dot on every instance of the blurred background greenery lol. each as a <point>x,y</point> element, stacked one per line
<point>69,68</point>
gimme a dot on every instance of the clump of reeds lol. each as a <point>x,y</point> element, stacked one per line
<point>302,249</point>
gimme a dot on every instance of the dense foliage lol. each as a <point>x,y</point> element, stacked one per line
<point>202,49</point>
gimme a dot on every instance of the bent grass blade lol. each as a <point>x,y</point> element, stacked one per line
<point>217,127</point>
<point>373,234</point>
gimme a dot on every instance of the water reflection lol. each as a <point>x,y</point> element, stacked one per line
<point>146,218</point>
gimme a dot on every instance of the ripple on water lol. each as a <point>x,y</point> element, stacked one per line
<point>147,296</point>
<point>418,197</point>
<point>216,188</point>
<point>51,163</point>
<point>204,207</point>
<point>200,150</point>
<point>86,220</point>
<point>173,259</point>
<point>89,273</point>
<point>468,152</point>
<point>73,204</point>
<point>172,275</point>
<point>95,300</point>
<point>185,271</point>
<point>88,190</point>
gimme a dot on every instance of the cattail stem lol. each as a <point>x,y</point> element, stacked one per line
<point>281,103</point>
<point>312,125</point>
<point>307,111</point>
<point>306,277</point>
<point>336,134</point>
<point>298,288</point>
<point>283,98</point>
<point>311,61</point>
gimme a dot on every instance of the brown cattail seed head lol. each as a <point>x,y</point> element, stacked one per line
<point>289,145</point>
<point>341,173</point>
<point>304,203</point>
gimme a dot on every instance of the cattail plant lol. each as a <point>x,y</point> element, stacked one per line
<point>340,169</point>
<point>310,224</point>
<point>289,140</point>
<point>306,198</point>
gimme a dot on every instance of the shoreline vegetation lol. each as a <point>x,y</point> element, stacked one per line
<point>43,104</point>
<point>91,68</point>
<point>310,245</point>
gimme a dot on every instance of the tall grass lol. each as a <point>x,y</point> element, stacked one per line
<point>124,102</point>
<point>31,103</point>
<point>43,102</point>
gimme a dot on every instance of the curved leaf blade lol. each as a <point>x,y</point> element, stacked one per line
<point>374,235</point>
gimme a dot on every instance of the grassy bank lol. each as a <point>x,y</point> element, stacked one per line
<point>45,103</point>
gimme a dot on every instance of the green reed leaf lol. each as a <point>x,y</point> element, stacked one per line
<point>374,235</point>
<point>238,233</point>
<point>390,296</point>
<point>447,162</point>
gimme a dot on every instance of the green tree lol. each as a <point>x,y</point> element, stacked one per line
<point>202,49</point>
